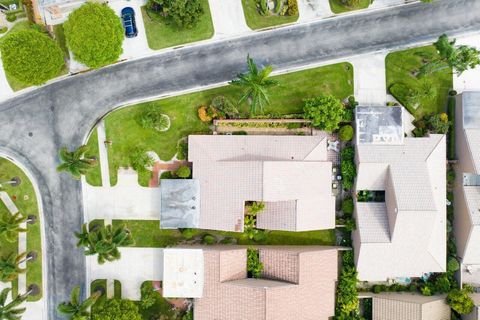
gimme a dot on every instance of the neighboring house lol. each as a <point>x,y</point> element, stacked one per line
<point>296,283</point>
<point>409,306</point>
<point>290,174</point>
<point>405,234</point>
<point>475,314</point>
<point>467,185</point>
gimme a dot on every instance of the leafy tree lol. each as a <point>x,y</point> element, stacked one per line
<point>460,301</point>
<point>10,226</point>
<point>11,311</point>
<point>104,241</point>
<point>184,13</point>
<point>140,160</point>
<point>183,172</point>
<point>77,309</point>
<point>10,267</point>
<point>153,118</point>
<point>325,112</point>
<point>460,58</point>
<point>346,133</point>
<point>94,34</point>
<point>254,265</point>
<point>117,309</point>
<point>31,57</point>
<point>255,82</point>
<point>74,162</point>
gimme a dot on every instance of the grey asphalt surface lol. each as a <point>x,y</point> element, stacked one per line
<point>34,126</point>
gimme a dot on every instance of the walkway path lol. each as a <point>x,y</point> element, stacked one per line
<point>228,18</point>
<point>35,125</point>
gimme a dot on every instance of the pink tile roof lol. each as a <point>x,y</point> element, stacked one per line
<point>297,283</point>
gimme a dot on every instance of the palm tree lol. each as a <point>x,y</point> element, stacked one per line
<point>104,241</point>
<point>77,309</point>
<point>255,83</point>
<point>10,266</point>
<point>10,226</point>
<point>74,162</point>
<point>10,311</point>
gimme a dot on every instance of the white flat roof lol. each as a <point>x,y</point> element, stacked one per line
<point>183,273</point>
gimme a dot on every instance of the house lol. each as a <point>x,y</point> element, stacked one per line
<point>409,306</point>
<point>467,185</point>
<point>289,174</point>
<point>296,283</point>
<point>403,235</point>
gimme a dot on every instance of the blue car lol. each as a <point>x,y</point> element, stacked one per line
<point>128,17</point>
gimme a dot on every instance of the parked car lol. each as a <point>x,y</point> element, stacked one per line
<point>128,18</point>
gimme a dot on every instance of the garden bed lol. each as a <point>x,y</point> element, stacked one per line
<point>270,18</point>
<point>264,126</point>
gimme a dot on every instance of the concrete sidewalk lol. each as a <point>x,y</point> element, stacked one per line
<point>5,89</point>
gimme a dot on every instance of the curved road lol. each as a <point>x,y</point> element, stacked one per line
<point>33,126</point>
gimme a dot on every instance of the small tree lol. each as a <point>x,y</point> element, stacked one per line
<point>94,34</point>
<point>10,267</point>
<point>184,13</point>
<point>117,309</point>
<point>325,112</point>
<point>255,82</point>
<point>153,118</point>
<point>10,226</point>
<point>31,57</point>
<point>460,301</point>
<point>75,163</point>
<point>140,160</point>
<point>77,309</point>
<point>183,172</point>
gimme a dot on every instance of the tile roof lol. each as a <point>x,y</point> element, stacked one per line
<point>471,124</point>
<point>472,198</point>
<point>405,236</point>
<point>294,279</point>
<point>235,169</point>
<point>406,306</point>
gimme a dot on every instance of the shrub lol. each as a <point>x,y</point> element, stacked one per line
<point>228,240</point>
<point>347,206</point>
<point>203,115</point>
<point>349,115</point>
<point>152,118</point>
<point>451,134</point>
<point>346,133</point>
<point>347,295</point>
<point>188,315</point>
<point>225,107</point>
<point>292,7</point>
<point>209,239</point>
<point>325,112</point>
<point>118,309</point>
<point>3,30</point>
<point>349,172</point>
<point>437,123</point>
<point>94,34</point>
<point>442,284</point>
<point>347,154</point>
<point>182,149</point>
<point>31,57</point>
<point>11,17</point>
<point>139,159</point>
<point>183,172</point>
<point>167,175</point>
<point>254,265</point>
<point>148,295</point>
<point>348,258</point>
<point>452,265</point>
<point>460,301</point>
<point>260,236</point>
<point>184,13</point>
<point>188,233</point>
<point>426,290</point>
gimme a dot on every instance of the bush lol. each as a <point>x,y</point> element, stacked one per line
<point>347,295</point>
<point>349,172</point>
<point>209,239</point>
<point>94,34</point>
<point>452,265</point>
<point>11,17</point>
<point>183,172</point>
<point>167,175</point>
<point>3,30</point>
<point>188,315</point>
<point>225,107</point>
<point>348,258</point>
<point>451,133</point>
<point>118,309</point>
<point>325,112</point>
<point>254,265</point>
<point>31,57</point>
<point>460,301</point>
<point>148,295</point>
<point>292,7</point>
<point>183,13</point>
<point>152,118</point>
<point>347,206</point>
<point>139,159</point>
<point>346,133</point>
<point>203,115</point>
<point>437,123</point>
<point>349,115</point>
<point>347,154</point>
<point>182,149</point>
<point>188,233</point>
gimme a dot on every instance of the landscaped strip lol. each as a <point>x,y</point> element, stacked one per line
<point>338,7</point>
<point>94,176</point>
<point>162,34</point>
<point>257,21</point>
<point>126,134</point>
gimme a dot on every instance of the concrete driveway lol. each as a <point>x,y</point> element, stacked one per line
<point>313,9</point>
<point>370,79</point>
<point>137,46</point>
<point>136,266</point>
<point>36,124</point>
<point>228,18</point>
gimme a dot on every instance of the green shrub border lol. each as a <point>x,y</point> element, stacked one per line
<point>451,132</point>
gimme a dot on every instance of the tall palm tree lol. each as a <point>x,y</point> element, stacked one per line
<point>77,309</point>
<point>255,83</point>
<point>10,266</point>
<point>104,241</point>
<point>10,226</point>
<point>10,311</point>
<point>74,162</point>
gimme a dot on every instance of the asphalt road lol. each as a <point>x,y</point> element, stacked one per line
<point>35,125</point>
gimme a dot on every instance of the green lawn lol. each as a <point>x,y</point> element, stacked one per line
<point>401,67</point>
<point>123,129</point>
<point>337,7</point>
<point>25,199</point>
<point>24,25</point>
<point>256,21</point>
<point>94,177</point>
<point>147,233</point>
<point>162,35</point>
